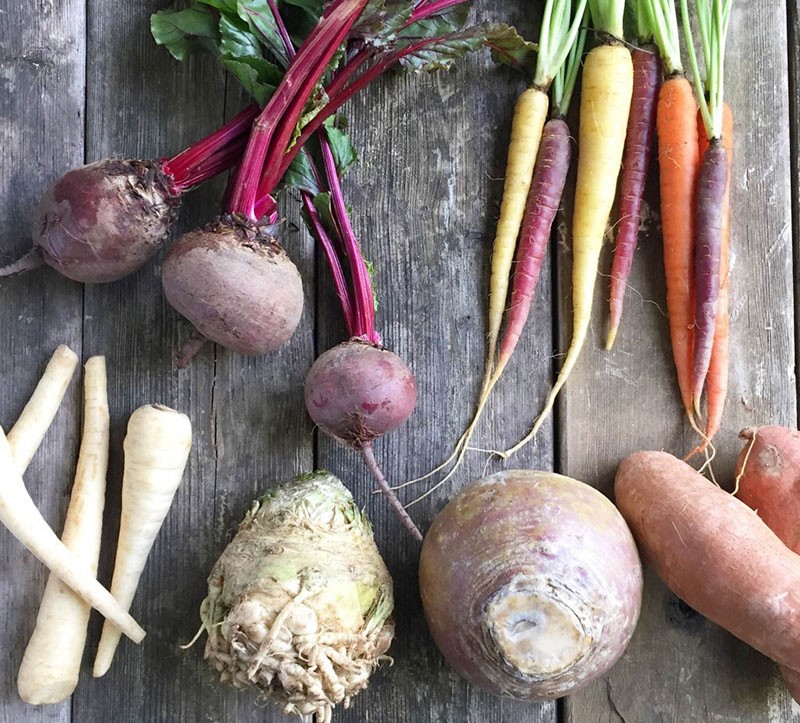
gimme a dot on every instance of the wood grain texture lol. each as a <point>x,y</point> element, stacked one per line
<point>679,666</point>
<point>41,137</point>
<point>141,103</point>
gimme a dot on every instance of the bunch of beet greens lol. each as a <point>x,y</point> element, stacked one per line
<point>359,390</point>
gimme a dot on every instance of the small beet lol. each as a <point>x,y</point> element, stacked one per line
<point>103,221</point>
<point>358,391</point>
<point>236,285</point>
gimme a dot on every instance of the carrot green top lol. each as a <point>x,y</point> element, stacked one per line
<point>607,16</point>
<point>560,28</point>
<point>712,23</point>
<point>664,23</point>
<point>564,82</point>
<point>644,20</point>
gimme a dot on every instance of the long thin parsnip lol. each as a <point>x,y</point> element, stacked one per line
<point>156,447</point>
<point>20,515</point>
<point>26,435</point>
<point>605,103</point>
<point>52,661</point>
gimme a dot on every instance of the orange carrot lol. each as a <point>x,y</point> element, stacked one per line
<point>678,160</point>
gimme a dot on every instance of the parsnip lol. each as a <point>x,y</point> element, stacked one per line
<point>26,435</point>
<point>20,515</point>
<point>51,663</point>
<point>156,448</point>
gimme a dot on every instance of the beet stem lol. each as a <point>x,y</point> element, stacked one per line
<point>184,168</point>
<point>275,125</point>
<point>339,281</point>
<point>391,498</point>
<point>339,98</point>
<point>364,300</point>
<point>28,262</point>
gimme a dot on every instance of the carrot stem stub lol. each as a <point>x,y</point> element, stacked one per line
<point>635,164</point>
<point>712,182</point>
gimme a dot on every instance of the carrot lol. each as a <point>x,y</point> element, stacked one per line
<point>19,514</point>
<point>557,37</point>
<point>156,448</point>
<point>678,160</point>
<point>606,93</point>
<point>26,435</point>
<point>51,663</point>
<point>635,162</point>
<point>713,17</point>
<point>561,41</point>
<point>717,378</point>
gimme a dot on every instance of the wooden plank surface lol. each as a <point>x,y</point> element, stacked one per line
<point>679,666</point>
<point>42,60</point>
<point>425,201</point>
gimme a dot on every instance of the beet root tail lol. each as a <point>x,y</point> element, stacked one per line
<point>27,262</point>
<point>391,497</point>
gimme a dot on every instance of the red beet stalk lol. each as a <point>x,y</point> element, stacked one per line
<point>635,164</point>
<point>273,128</point>
<point>712,181</point>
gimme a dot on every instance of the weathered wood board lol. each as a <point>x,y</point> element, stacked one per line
<point>425,199</point>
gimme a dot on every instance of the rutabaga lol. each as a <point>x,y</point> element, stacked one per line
<point>299,604</point>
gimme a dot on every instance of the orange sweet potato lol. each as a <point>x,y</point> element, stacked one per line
<point>769,479</point>
<point>713,552</point>
<point>768,471</point>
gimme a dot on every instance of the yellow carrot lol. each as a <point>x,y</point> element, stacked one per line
<point>605,101</point>
<point>526,132</point>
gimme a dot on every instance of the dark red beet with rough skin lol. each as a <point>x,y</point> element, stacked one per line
<point>103,221</point>
<point>358,391</point>
<point>236,285</point>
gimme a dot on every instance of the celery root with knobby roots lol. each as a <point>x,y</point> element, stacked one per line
<point>300,603</point>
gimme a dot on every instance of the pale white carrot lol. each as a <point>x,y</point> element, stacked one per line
<point>26,435</point>
<point>20,515</point>
<point>52,661</point>
<point>156,448</point>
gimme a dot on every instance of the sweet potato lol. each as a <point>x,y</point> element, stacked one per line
<point>769,479</point>
<point>768,472</point>
<point>713,552</point>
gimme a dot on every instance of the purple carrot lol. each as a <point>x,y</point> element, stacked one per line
<point>635,164</point>
<point>712,180</point>
<point>544,197</point>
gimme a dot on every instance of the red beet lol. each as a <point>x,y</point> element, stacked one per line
<point>236,285</point>
<point>101,222</point>
<point>359,391</point>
